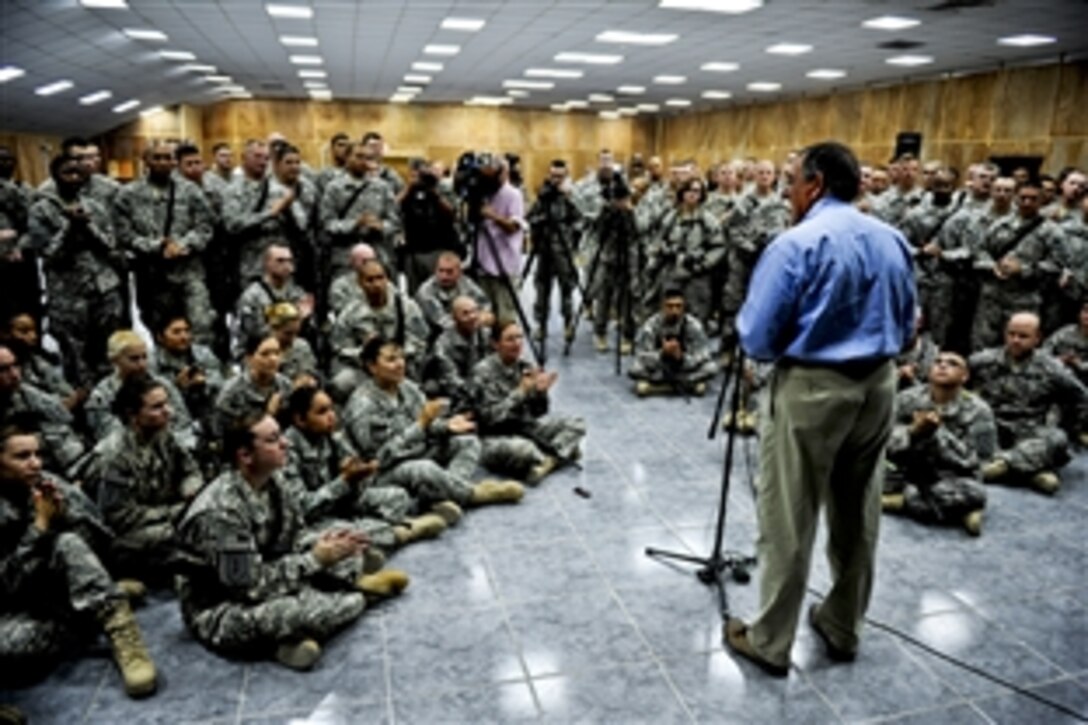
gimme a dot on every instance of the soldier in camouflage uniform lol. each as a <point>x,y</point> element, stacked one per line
<point>336,487</point>
<point>193,369</point>
<point>358,207</point>
<point>672,353</point>
<point>435,296</point>
<point>913,365</point>
<point>1015,253</point>
<point>339,149</point>
<point>18,273</point>
<point>941,437</point>
<point>40,368</point>
<point>908,193</point>
<point>345,289</point>
<point>431,456</point>
<point>448,371</point>
<point>73,235</point>
<point>250,584</point>
<point>298,362</point>
<point>554,221</point>
<point>54,583</point>
<point>144,482</point>
<point>259,388</point>
<point>375,145</point>
<point>98,186</point>
<point>922,225</point>
<point>1070,346</point>
<point>166,223</point>
<point>613,282</point>
<point>1024,386</point>
<point>758,217</point>
<point>385,311</point>
<point>518,435</point>
<point>276,285</point>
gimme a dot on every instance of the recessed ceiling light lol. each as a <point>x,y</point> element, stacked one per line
<point>409,89</point>
<point>10,73</point>
<point>589,58</point>
<point>105,4</point>
<point>789,48</point>
<point>427,66</point>
<point>301,41</point>
<point>138,34</point>
<point>891,22</point>
<point>315,85</point>
<point>97,97</point>
<point>441,49</point>
<point>517,93</point>
<point>631,90</point>
<point>534,85</point>
<point>670,80</point>
<point>764,86</point>
<point>150,111</point>
<point>306,59</point>
<point>717,95</point>
<point>553,73</point>
<point>600,98</point>
<point>623,36</point>
<point>609,115</point>
<point>413,78</point>
<point>648,107</point>
<point>53,88</point>
<point>126,106</point>
<point>720,66</point>
<point>176,55</point>
<point>197,68</point>
<point>678,102</point>
<point>1027,40</point>
<point>578,104</point>
<point>219,79</point>
<point>733,7</point>
<point>826,74</point>
<point>289,11</point>
<point>468,24</point>
<point>312,74</point>
<point>909,60</point>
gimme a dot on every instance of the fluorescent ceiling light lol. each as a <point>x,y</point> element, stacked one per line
<point>10,73</point>
<point>789,48</point>
<point>150,111</point>
<point>764,86</point>
<point>126,106</point>
<point>97,97</point>
<point>246,94</point>
<point>577,104</point>
<point>321,95</point>
<point>631,90</point>
<point>670,80</point>
<point>826,74</point>
<point>409,89</point>
<point>609,115</point>
<point>219,79</point>
<point>533,85</point>
<point>441,49</point>
<point>197,68</point>
<point>231,89</point>
<point>909,60</point>
<point>560,107</point>
<point>301,41</point>
<point>890,22</point>
<point>489,101</point>
<point>627,111</point>
<point>678,102</point>
<point>468,24</point>
<point>105,4</point>
<point>312,74</point>
<point>623,36</point>
<point>307,59</point>
<point>648,107</point>
<point>53,88</point>
<point>176,55</point>
<point>553,73</point>
<point>427,66</point>
<point>138,34</point>
<point>400,98</point>
<point>1027,40</point>
<point>517,93</point>
<point>413,78</point>
<point>315,85</point>
<point>289,11</point>
<point>589,58</point>
<point>600,98</point>
<point>717,95</point>
<point>720,67</point>
<point>733,7</point>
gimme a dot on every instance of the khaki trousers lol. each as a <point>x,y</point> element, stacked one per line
<point>822,443</point>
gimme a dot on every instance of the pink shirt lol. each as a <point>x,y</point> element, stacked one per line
<point>509,203</point>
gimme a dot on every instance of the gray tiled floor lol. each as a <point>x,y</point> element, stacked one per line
<point>551,611</point>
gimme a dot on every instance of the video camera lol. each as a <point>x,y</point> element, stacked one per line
<point>476,178</point>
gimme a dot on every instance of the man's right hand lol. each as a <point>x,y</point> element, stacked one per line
<point>671,348</point>
<point>925,422</point>
<point>283,202</point>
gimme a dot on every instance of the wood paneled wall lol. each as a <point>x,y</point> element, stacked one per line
<point>1039,111</point>
<point>32,154</point>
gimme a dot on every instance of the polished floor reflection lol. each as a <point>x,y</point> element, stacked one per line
<point>551,611</point>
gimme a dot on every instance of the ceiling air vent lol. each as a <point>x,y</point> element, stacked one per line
<point>900,45</point>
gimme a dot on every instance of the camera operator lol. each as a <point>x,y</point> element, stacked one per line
<point>501,230</point>
<point>553,222</point>
<point>429,220</point>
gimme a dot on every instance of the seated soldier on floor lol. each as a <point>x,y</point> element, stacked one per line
<point>41,368</point>
<point>672,353</point>
<point>144,482</point>
<point>336,487</point>
<point>259,387</point>
<point>417,447</point>
<point>448,371</point>
<point>249,586</point>
<point>298,363</point>
<point>276,285</point>
<point>941,436</point>
<point>1070,345</point>
<point>345,288</point>
<point>437,294</point>
<point>518,435</point>
<point>55,585</point>
<point>1023,386</point>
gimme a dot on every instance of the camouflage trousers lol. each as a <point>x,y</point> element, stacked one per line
<point>552,267</point>
<point>513,454</point>
<point>609,295</point>
<point>374,512</point>
<point>947,500</point>
<point>1031,449</point>
<point>81,327</point>
<point>442,473</point>
<point>144,552</point>
<point>994,309</point>
<point>657,372</point>
<point>252,629</point>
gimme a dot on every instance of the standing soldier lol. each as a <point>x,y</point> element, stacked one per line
<point>895,204</point>
<point>553,222</point>
<point>250,216</point>
<point>922,226</point>
<point>18,272</point>
<point>339,147</point>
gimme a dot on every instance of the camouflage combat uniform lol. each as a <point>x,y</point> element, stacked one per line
<point>61,448</point>
<point>248,219</point>
<point>554,222</point>
<point>683,256</point>
<point>399,320</point>
<point>892,206</point>
<point>436,303</point>
<point>448,370</point>
<point>258,296</point>
<point>102,421</point>
<point>242,397</point>
<point>339,220</point>
<point>650,365</point>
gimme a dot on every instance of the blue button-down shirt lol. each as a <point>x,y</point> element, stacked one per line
<point>837,287</point>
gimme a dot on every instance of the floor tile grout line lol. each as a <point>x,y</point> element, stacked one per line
<point>894,716</point>
<point>97,693</point>
<point>807,679</point>
<point>240,708</point>
<point>387,670</point>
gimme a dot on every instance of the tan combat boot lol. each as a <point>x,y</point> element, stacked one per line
<point>450,512</point>
<point>1046,482</point>
<point>601,343</point>
<point>540,470</point>
<point>427,526</point>
<point>134,590</point>
<point>129,651</point>
<point>626,346</point>
<point>491,491</point>
<point>301,655</point>
<point>995,469</point>
<point>972,523</point>
<point>893,502</point>
<point>382,584</point>
<point>698,390</point>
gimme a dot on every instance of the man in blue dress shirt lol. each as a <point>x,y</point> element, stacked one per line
<point>831,303</point>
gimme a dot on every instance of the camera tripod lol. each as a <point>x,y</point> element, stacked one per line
<point>713,567</point>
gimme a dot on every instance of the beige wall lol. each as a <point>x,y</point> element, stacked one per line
<point>32,154</point>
